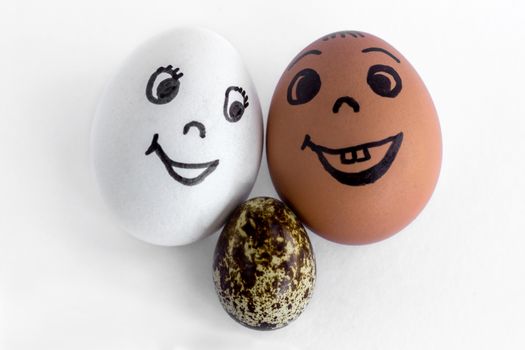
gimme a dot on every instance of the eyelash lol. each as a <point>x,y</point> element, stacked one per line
<point>175,73</point>
<point>244,95</point>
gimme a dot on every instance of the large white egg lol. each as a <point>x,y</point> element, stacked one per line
<point>177,137</point>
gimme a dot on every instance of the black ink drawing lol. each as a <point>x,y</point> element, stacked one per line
<point>302,55</point>
<point>343,34</point>
<point>170,164</point>
<point>233,111</point>
<point>379,81</point>
<point>303,87</point>
<point>384,81</point>
<point>349,155</point>
<point>195,124</point>
<point>350,101</point>
<point>378,49</point>
<point>167,89</point>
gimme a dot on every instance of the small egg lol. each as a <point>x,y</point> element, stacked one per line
<point>353,138</point>
<point>264,266</point>
<point>177,138</point>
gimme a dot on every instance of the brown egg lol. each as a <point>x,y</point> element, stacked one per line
<point>353,140</point>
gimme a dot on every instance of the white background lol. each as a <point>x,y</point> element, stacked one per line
<point>71,279</point>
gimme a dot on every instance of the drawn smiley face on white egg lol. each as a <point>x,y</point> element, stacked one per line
<point>177,139</point>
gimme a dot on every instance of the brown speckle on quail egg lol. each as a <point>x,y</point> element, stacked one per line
<point>264,265</point>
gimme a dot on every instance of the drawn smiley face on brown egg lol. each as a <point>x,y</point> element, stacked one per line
<point>353,141</point>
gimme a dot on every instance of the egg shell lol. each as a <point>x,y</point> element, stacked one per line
<point>353,138</point>
<point>264,266</point>
<point>177,137</point>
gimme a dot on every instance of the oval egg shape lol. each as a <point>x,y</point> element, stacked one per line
<point>264,266</point>
<point>177,138</point>
<point>353,138</point>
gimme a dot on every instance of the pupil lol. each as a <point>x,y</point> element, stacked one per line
<point>166,88</point>
<point>303,87</point>
<point>382,83</point>
<point>308,86</point>
<point>236,110</point>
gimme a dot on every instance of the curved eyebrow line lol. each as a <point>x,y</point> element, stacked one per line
<point>378,49</point>
<point>310,52</point>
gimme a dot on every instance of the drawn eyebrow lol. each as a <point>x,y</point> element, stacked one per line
<point>309,52</point>
<point>378,49</point>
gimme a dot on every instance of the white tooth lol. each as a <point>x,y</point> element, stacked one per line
<point>188,173</point>
<point>347,156</point>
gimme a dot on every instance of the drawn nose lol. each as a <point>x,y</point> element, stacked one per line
<point>198,125</point>
<point>348,100</point>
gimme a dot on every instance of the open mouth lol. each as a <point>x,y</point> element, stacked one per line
<point>357,154</point>
<point>204,169</point>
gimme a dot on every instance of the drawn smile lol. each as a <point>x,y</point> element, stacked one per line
<point>171,165</point>
<point>357,154</point>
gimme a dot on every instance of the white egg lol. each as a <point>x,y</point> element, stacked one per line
<point>177,137</point>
